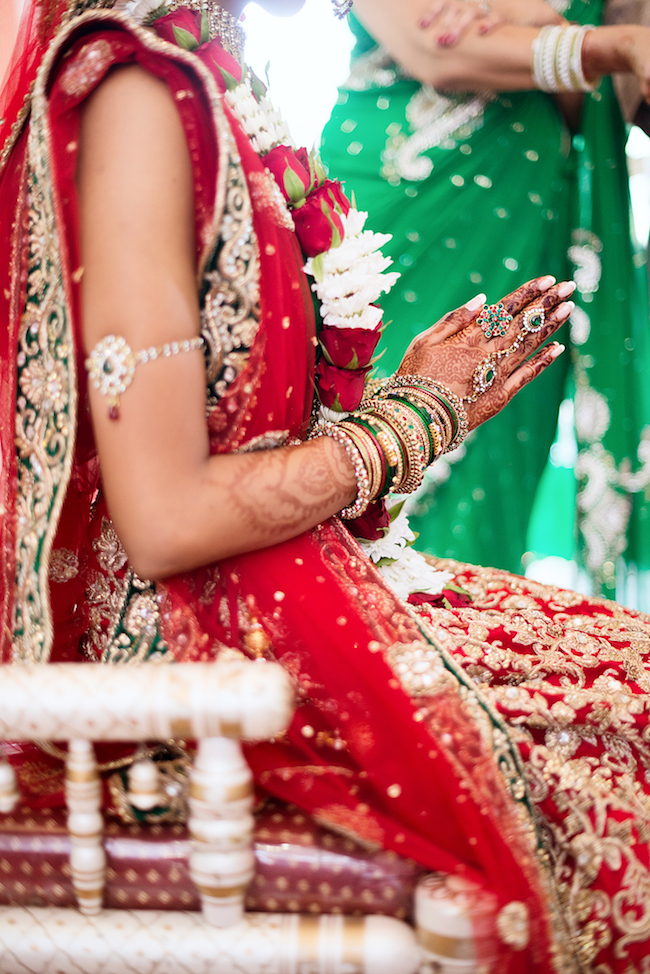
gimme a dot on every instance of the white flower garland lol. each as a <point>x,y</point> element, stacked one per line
<point>348,281</point>
<point>403,568</point>
<point>350,278</point>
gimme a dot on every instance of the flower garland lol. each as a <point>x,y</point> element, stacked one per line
<point>344,259</point>
<point>350,274</point>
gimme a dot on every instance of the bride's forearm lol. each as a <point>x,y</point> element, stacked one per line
<point>230,504</point>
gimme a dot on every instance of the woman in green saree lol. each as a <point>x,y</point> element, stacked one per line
<point>489,187</point>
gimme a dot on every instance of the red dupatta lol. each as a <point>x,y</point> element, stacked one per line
<point>430,775</point>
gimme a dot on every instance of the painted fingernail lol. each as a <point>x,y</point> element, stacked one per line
<point>546,283</point>
<point>564,310</point>
<point>425,22</point>
<point>557,349</point>
<point>476,302</point>
<point>566,288</point>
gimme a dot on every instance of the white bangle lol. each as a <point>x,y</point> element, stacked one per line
<point>577,72</point>
<point>557,59</point>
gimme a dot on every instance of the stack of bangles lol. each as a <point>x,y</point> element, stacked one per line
<point>396,435</point>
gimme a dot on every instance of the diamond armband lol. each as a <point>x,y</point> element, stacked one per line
<point>111,365</point>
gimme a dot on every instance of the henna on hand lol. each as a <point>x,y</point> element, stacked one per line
<point>455,347</point>
<point>279,493</point>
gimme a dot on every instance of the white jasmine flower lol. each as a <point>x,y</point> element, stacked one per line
<point>411,572</point>
<point>407,570</point>
<point>398,537</point>
<point>354,222</point>
<point>370,319</point>
<point>351,304</point>
<point>326,415</point>
<point>137,9</point>
<point>335,287</point>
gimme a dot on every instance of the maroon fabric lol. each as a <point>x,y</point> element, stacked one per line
<point>300,867</point>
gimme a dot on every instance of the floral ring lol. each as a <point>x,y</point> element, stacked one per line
<point>534,320</point>
<point>494,320</point>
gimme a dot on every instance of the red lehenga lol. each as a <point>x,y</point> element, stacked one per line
<point>505,739</point>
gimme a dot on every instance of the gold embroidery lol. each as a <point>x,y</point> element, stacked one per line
<point>82,73</point>
<point>64,565</point>
<point>266,195</point>
<point>173,765</point>
<point>357,824</point>
<point>124,610</point>
<point>513,926</point>
<point>46,404</point>
<point>571,674</point>
<point>230,315</point>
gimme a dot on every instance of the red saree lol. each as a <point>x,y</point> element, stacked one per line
<point>405,735</point>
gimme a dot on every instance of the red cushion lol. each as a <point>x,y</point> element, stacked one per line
<point>301,867</point>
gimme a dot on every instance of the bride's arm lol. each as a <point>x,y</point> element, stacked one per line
<point>174,506</point>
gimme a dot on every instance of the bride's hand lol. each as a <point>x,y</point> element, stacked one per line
<point>451,350</point>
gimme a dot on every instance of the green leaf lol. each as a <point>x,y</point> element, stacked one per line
<point>336,234</point>
<point>293,186</point>
<point>319,168</point>
<point>257,86</point>
<point>459,589</point>
<point>184,39</point>
<point>317,267</point>
<point>354,362</point>
<point>205,26</point>
<point>394,511</point>
<point>229,80</point>
<point>153,15</point>
<point>385,561</point>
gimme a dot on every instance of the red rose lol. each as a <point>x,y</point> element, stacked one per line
<point>214,56</point>
<point>303,158</point>
<point>183,19</point>
<point>290,172</point>
<point>371,524</point>
<point>448,598</point>
<point>349,348</point>
<point>318,222</point>
<point>340,389</point>
<point>337,192</point>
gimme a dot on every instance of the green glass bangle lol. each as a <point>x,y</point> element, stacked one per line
<point>425,418</point>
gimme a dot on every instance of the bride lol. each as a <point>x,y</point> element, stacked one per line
<point>169,482</point>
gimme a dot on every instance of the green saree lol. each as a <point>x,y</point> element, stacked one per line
<point>482,192</point>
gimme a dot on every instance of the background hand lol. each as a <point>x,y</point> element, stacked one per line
<point>448,20</point>
<point>452,349</point>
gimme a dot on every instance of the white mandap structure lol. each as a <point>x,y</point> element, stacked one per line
<point>216,704</point>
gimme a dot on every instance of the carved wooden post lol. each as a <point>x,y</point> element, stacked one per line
<point>221,825</point>
<point>85,825</point>
<point>8,788</point>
